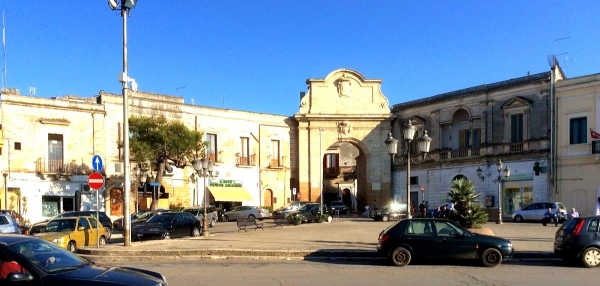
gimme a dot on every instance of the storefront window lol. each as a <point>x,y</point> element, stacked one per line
<point>515,198</point>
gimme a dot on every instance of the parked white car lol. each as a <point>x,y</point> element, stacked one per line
<point>536,211</point>
<point>247,213</point>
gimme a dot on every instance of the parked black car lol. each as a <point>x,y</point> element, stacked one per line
<point>438,238</point>
<point>34,255</point>
<point>388,214</point>
<point>578,240</point>
<point>338,206</point>
<point>104,220</point>
<point>143,214</point>
<point>166,225</point>
<point>310,211</point>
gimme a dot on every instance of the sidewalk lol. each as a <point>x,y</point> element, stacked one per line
<point>347,238</point>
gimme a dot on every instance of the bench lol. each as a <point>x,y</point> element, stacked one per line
<point>279,220</point>
<point>242,224</point>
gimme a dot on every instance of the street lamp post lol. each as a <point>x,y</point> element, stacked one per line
<point>5,174</point>
<point>499,181</point>
<point>126,6</point>
<point>321,168</point>
<point>204,168</point>
<point>392,148</point>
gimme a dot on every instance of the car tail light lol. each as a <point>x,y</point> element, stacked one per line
<point>578,227</point>
<point>260,211</point>
<point>383,238</point>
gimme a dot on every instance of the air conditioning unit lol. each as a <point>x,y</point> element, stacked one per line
<point>114,169</point>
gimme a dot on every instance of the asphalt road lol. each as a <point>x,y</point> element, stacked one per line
<point>266,273</point>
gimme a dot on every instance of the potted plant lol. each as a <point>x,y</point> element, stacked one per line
<point>296,219</point>
<point>470,213</point>
<point>325,218</point>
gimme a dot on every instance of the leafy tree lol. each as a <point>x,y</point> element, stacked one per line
<point>469,212</point>
<point>162,143</point>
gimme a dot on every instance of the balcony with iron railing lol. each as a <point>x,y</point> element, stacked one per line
<point>241,161</point>
<point>59,167</point>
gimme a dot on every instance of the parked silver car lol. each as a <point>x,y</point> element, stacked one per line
<point>536,211</point>
<point>8,224</point>
<point>247,212</point>
<point>211,214</point>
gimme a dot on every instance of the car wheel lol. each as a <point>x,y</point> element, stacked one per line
<point>166,235</point>
<point>400,256</point>
<point>385,218</point>
<point>212,223</point>
<point>491,257</point>
<point>251,217</point>
<point>518,218</point>
<point>71,246</point>
<point>195,232</point>
<point>102,240</point>
<point>107,233</point>
<point>591,257</point>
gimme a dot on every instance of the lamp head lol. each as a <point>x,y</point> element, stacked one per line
<point>479,172</point>
<point>112,4</point>
<point>197,165</point>
<point>499,165</point>
<point>391,144</point>
<point>424,143</point>
<point>409,130</point>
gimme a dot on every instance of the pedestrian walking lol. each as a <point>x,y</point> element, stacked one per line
<point>423,209</point>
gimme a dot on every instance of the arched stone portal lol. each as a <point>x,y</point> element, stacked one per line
<point>342,108</point>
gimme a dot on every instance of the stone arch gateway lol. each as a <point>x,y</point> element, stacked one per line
<point>343,107</point>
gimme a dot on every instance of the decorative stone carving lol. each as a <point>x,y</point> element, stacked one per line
<point>343,87</point>
<point>344,129</point>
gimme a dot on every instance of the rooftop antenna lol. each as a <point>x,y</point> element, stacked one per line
<point>178,88</point>
<point>31,90</point>
<point>222,102</point>
<point>193,102</point>
<point>4,48</point>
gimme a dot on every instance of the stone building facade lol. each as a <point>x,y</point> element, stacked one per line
<point>49,144</point>
<point>578,153</point>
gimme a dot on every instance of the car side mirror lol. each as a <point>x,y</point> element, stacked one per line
<point>80,228</point>
<point>18,276</point>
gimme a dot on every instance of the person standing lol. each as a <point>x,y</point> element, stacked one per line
<point>423,209</point>
<point>598,207</point>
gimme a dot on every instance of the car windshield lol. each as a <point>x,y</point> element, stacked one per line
<point>160,218</point>
<point>61,225</point>
<point>39,251</point>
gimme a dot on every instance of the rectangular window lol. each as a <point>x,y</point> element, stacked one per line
<point>578,130</point>
<point>55,152</point>
<point>275,153</point>
<point>414,180</point>
<point>468,138</point>
<point>211,148</point>
<point>331,164</point>
<point>245,151</point>
<point>516,128</point>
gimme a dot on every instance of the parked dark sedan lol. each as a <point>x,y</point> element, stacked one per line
<point>166,225</point>
<point>310,211</point>
<point>578,240</point>
<point>388,214</point>
<point>140,215</point>
<point>420,238</point>
<point>338,206</point>
<point>45,263</point>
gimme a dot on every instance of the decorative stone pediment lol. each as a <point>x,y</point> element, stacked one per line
<point>516,102</point>
<point>344,91</point>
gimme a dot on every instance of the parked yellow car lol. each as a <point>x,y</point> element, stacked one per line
<point>73,232</point>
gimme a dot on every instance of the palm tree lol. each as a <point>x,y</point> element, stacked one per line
<point>470,214</point>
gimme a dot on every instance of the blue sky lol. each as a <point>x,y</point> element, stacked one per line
<point>257,55</point>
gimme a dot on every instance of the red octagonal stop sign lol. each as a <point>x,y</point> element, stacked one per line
<point>96,180</point>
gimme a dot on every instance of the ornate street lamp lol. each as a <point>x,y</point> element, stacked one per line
<point>204,168</point>
<point>392,148</point>
<point>499,181</point>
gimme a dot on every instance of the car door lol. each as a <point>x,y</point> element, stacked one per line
<point>83,233</point>
<point>420,237</point>
<point>94,230</point>
<point>166,220</point>
<point>180,226</point>
<point>453,241</point>
<point>528,212</point>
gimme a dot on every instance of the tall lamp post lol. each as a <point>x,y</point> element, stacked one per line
<point>499,181</point>
<point>5,174</point>
<point>392,148</point>
<point>204,168</point>
<point>126,6</point>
